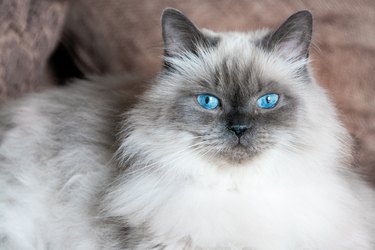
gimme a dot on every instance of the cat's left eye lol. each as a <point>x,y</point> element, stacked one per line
<point>268,101</point>
<point>208,101</point>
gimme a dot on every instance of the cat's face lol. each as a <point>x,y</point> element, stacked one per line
<point>234,94</point>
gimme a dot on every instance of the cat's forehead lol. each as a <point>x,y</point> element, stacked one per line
<point>236,45</point>
<point>237,38</point>
<point>235,78</point>
<point>235,62</point>
<point>239,61</point>
<point>232,65</point>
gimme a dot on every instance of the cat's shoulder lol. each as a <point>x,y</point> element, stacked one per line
<point>94,103</point>
<point>92,93</point>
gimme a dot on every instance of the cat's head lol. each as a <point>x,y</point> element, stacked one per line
<point>230,96</point>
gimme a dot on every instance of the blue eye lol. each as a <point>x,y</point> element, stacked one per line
<point>208,101</point>
<point>268,101</point>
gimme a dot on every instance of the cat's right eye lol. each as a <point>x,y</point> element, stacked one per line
<point>208,101</point>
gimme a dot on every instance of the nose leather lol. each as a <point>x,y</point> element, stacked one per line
<point>239,130</point>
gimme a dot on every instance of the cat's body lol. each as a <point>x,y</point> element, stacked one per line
<point>53,168</point>
<point>167,174</point>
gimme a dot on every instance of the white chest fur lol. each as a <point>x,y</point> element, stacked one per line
<point>250,208</point>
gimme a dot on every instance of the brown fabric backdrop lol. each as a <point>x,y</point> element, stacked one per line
<point>29,30</point>
<point>108,36</point>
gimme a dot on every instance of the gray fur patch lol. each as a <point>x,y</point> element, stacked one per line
<point>6,124</point>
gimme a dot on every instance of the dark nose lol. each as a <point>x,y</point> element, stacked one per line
<point>239,130</point>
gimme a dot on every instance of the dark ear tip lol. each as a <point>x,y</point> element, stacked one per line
<point>170,12</point>
<point>306,13</point>
<point>303,14</point>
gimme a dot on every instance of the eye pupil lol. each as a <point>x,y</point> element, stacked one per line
<point>208,101</point>
<point>268,99</point>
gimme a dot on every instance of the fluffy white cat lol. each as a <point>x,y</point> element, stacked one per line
<point>233,146</point>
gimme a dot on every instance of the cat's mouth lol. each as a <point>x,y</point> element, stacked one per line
<point>241,142</point>
<point>238,152</point>
<point>231,149</point>
<point>239,146</point>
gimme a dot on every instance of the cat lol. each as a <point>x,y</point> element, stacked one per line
<point>232,146</point>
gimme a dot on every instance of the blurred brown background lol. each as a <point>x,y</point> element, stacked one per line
<point>47,42</point>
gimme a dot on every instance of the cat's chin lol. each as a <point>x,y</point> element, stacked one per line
<point>236,155</point>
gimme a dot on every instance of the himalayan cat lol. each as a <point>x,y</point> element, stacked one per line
<point>233,146</point>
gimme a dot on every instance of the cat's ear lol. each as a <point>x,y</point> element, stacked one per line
<point>292,39</point>
<point>179,33</point>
